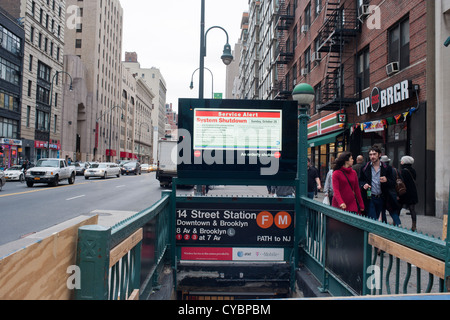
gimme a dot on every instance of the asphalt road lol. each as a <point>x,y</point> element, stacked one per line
<point>24,210</point>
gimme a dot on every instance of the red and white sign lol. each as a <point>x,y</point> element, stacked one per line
<point>237,129</point>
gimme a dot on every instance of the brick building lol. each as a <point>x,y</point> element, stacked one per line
<point>367,61</point>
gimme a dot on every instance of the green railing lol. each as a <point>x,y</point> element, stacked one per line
<point>355,255</point>
<point>123,262</point>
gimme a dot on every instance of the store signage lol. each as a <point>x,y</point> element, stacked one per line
<point>380,99</point>
<point>11,142</point>
<point>44,145</point>
<point>236,225</point>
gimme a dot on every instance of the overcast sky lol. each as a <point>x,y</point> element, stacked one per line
<point>166,35</point>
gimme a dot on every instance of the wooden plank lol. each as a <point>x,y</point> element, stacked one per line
<point>124,247</point>
<point>39,271</point>
<point>422,261</point>
<point>134,295</point>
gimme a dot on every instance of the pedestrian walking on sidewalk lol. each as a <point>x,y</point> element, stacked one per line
<point>347,195</point>
<point>391,202</point>
<point>410,198</point>
<point>328,187</point>
<point>375,179</point>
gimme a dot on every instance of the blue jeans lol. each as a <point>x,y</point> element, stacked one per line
<point>311,195</point>
<point>375,207</point>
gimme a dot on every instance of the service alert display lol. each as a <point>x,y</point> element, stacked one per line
<point>235,226</point>
<point>237,129</point>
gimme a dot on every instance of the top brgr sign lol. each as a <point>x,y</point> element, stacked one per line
<point>380,99</point>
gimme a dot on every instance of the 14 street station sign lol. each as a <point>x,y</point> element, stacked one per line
<point>235,226</point>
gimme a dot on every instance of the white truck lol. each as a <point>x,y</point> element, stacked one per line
<point>50,171</point>
<point>167,165</point>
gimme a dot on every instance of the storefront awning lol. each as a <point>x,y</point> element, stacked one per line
<point>329,138</point>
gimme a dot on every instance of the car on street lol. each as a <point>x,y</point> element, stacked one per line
<point>51,171</point>
<point>80,167</point>
<point>102,170</point>
<point>133,167</point>
<point>14,173</point>
<point>145,168</point>
<point>2,179</point>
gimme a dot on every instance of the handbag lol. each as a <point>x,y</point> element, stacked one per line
<point>354,194</point>
<point>400,186</point>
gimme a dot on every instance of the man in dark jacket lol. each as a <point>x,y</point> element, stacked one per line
<point>375,181</point>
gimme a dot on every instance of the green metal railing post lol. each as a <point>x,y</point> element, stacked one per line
<point>301,182</point>
<point>93,260</point>
<point>447,250</point>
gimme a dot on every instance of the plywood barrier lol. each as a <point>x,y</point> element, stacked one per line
<point>416,258</point>
<point>39,271</point>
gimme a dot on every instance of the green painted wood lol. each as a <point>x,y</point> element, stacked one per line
<point>93,261</point>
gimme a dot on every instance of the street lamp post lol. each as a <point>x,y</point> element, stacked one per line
<point>212,80</point>
<point>51,102</point>
<point>226,57</point>
<point>304,95</point>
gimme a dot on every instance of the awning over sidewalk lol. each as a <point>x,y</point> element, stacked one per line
<point>329,138</point>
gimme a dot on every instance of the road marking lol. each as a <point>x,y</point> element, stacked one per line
<point>76,197</point>
<point>121,186</point>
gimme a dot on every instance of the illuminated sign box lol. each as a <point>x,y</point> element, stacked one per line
<point>237,139</point>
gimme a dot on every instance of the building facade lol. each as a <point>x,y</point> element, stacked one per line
<point>143,132</point>
<point>155,80</point>
<point>42,83</point>
<point>94,34</point>
<point>11,69</point>
<point>371,64</point>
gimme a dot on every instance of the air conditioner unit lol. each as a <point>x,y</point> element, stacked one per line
<point>363,11</point>
<point>304,71</point>
<point>316,57</point>
<point>392,68</point>
<point>305,28</point>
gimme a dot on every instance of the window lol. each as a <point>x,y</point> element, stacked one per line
<point>9,72</point>
<point>9,102</point>
<point>9,128</point>
<point>9,41</point>
<point>308,15</point>
<point>308,60</point>
<point>28,116</point>
<point>399,44</point>
<point>78,43</point>
<point>43,95</point>
<point>363,70</point>
<point>44,72</point>
<point>41,120</point>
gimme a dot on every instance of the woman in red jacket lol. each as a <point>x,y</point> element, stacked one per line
<point>347,195</point>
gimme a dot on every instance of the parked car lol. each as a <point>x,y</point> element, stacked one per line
<point>102,170</point>
<point>2,179</point>
<point>14,173</point>
<point>145,168</point>
<point>131,167</point>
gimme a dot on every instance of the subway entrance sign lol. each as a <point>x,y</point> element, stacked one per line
<point>233,244</point>
<point>230,224</point>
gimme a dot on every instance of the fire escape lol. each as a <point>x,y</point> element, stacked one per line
<point>341,26</point>
<point>284,51</point>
